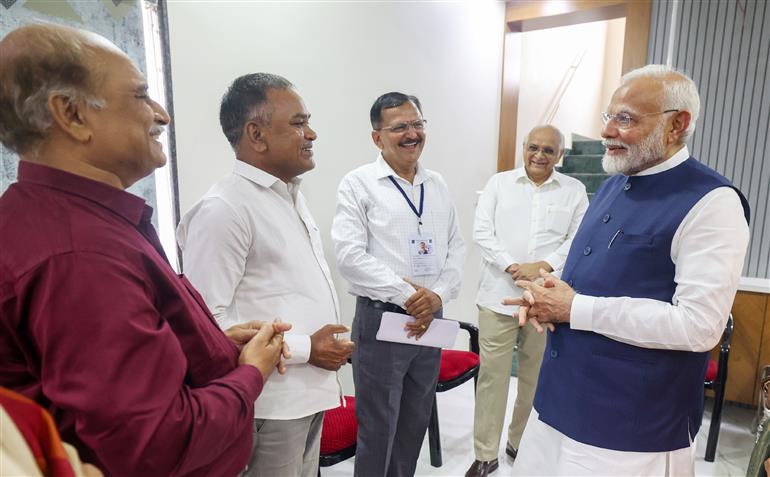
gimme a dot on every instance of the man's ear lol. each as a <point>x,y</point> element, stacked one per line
<point>253,133</point>
<point>679,124</point>
<point>70,116</point>
<point>377,139</point>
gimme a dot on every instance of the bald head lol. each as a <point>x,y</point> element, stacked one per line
<point>547,129</point>
<point>37,61</point>
<point>543,147</point>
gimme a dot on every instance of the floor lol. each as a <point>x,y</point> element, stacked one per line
<point>456,421</point>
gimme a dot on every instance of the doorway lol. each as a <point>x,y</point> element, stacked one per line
<point>549,26</point>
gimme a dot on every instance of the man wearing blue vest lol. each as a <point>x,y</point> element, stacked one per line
<point>644,295</point>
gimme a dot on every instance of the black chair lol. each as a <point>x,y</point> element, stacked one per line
<point>716,378</point>
<point>456,368</point>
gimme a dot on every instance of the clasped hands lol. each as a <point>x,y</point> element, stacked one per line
<point>261,345</point>
<point>545,301</point>
<point>421,306</point>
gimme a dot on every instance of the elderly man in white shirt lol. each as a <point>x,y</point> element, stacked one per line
<point>253,251</point>
<point>525,220</point>
<point>385,210</point>
<point>644,295</point>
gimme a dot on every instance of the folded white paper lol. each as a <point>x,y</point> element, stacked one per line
<point>440,333</point>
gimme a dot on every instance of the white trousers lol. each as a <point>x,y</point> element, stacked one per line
<point>546,451</point>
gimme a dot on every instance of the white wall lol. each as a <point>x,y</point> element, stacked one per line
<point>546,56</point>
<point>341,56</point>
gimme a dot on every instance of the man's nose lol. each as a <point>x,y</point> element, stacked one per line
<point>161,115</point>
<point>310,134</point>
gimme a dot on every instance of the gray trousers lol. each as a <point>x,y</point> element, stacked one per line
<point>395,386</point>
<point>286,448</point>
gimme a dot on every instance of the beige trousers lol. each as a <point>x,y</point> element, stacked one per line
<point>498,335</point>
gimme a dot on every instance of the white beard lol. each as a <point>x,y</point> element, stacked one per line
<point>647,151</point>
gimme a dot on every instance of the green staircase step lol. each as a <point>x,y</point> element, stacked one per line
<point>591,181</point>
<point>587,147</point>
<point>587,163</point>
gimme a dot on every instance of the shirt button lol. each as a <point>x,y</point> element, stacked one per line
<point>606,218</point>
<point>554,353</point>
<point>570,283</point>
<point>627,186</point>
<point>587,250</point>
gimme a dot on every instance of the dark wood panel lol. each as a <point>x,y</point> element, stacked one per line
<point>750,341</point>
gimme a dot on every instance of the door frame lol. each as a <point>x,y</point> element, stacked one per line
<point>528,15</point>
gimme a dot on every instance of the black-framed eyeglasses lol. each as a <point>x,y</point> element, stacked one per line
<point>418,125</point>
<point>625,120</point>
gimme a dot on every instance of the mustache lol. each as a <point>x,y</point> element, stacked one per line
<point>157,130</point>
<point>613,142</point>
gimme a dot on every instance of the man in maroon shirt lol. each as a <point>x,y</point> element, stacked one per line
<point>94,323</point>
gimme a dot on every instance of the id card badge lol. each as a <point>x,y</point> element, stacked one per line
<point>423,255</point>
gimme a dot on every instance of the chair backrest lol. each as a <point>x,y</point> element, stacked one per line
<point>727,334</point>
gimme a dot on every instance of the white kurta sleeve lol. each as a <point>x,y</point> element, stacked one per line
<point>484,233</point>
<point>708,250</point>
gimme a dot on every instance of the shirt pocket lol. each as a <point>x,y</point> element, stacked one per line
<point>557,219</point>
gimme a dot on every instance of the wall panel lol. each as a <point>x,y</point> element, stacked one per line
<point>724,46</point>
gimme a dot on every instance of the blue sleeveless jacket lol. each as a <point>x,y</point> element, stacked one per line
<point>602,392</point>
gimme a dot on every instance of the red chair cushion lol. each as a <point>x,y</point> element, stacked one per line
<point>711,371</point>
<point>340,428</point>
<point>456,363</point>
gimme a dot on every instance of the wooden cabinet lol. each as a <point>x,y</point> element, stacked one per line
<point>750,348</point>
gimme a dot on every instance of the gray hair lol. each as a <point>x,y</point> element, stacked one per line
<point>37,62</point>
<point>244,101</point>
<point>680,91</point>
<point>546,126</point>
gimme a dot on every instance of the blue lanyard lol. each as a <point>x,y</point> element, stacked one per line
<point>418,213</point>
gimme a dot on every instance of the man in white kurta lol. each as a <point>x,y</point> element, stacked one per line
<point>253,250</point>
<point>650,117</point>
<point>525,220</point>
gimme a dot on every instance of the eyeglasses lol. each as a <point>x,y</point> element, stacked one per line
<point>624,120</point>
<point>547,151</point>
<point>399,128</point>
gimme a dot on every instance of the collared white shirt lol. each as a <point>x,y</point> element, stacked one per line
<point>253,251</point>
<point>708,250</point>
<point>520,222</point>
<point>373,224</point>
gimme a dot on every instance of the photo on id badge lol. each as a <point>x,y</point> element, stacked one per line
<point>423,256</point>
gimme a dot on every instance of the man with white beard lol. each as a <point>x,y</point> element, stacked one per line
<point>644,295</point>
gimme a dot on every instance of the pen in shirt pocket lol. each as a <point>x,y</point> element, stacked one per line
<point>617,234</point>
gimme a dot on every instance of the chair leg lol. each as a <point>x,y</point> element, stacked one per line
<point>434,438</point>
<point>716,420</point>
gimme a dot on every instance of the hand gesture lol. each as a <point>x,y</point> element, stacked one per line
<point>528,271</point>
<point>546,303</point>
<point>241,334</point>
<point>264,350</point>
<point>328,352</point>
<point>421,305</point>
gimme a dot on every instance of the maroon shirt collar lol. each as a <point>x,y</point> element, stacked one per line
<point>123,203</point>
